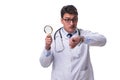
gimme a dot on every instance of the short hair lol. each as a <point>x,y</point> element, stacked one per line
<point>70,9</point>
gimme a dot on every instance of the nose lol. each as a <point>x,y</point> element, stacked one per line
<point>71,22</point>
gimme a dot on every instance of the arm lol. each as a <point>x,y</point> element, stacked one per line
<point>87,37</point>
<point>94,39</point>
<point>47,57</point>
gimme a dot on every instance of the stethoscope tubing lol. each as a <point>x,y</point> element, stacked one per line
<point>59,30</point>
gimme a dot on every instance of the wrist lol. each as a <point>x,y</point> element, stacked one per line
<point>82,38</point>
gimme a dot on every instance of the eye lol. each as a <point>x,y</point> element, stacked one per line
<point>67,19</point>
<point>75,19</point>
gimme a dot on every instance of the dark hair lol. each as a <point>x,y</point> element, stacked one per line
<point>70,9</point>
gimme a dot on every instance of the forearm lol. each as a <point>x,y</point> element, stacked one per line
<point>95,40</point>
<point>46,58</point>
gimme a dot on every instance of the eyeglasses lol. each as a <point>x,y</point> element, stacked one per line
<point>68,20</point>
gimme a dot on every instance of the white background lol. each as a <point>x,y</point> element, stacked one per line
<point>22,36</point>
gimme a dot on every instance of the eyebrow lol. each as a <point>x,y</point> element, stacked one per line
<point>66,17</point>
<point>70,18</point>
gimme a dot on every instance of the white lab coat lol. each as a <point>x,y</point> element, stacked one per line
<point>72,64</point>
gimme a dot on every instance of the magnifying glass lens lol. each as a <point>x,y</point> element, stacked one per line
<point>48,29</point>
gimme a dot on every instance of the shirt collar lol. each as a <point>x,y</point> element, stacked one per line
<point>65,32</point>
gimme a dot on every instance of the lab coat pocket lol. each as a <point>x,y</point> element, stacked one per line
<point>84,75</point>
<point>76,54</point>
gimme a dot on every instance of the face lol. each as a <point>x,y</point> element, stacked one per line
<point>69,22</point>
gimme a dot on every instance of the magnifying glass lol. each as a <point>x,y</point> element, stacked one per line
<point>48,29</point>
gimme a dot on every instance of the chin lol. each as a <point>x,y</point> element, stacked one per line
<point>71,30</point>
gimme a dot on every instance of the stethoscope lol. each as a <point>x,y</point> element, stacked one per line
<point>61,40</point>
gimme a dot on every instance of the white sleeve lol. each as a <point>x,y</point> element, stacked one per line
<point>94,39</point>
<point>46,58</point>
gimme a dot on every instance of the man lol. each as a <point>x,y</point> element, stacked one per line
<point>68,50</point>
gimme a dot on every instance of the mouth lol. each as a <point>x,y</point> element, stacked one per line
<point>72,27</point>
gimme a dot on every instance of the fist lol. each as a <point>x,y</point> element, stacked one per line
<point>75,41</point>
<point>48,41</point>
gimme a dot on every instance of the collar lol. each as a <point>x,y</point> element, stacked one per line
<point>65,32</point>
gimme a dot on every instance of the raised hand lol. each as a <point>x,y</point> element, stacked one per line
<point>48,42</point>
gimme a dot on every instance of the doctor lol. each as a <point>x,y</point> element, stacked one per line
<point>68,49</point>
